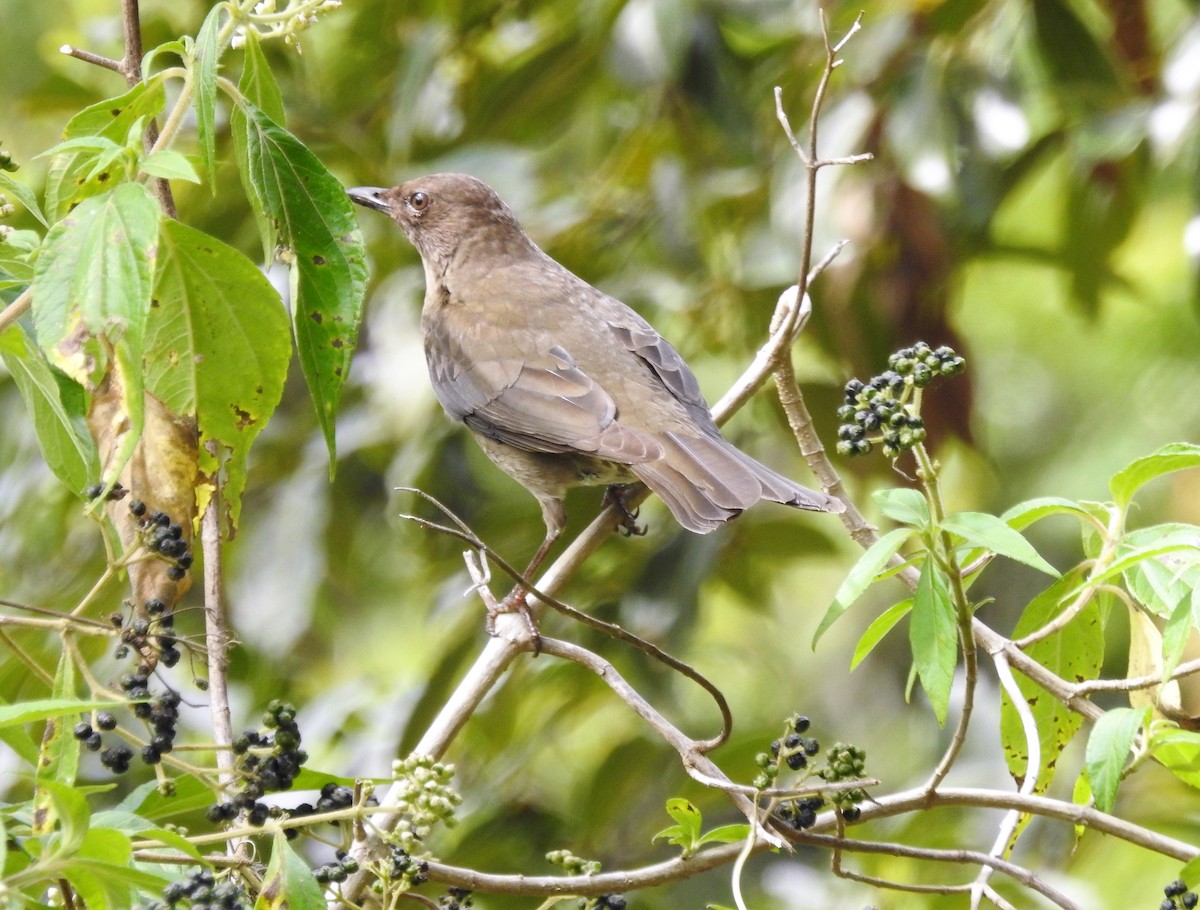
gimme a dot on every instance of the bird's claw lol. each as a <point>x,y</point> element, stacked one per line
<point>627,524</point>
<point>515,602</point>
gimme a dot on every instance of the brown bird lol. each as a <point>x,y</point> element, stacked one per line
<point>561,384</point>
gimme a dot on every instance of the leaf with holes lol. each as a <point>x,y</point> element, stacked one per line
<point>328,268</point>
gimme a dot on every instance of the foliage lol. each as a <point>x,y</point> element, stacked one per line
<point>172,244</point>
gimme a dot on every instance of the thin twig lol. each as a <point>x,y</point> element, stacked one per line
<point>15,310</point>
<point>26,658</point>
<point>690,751</point>
<point>961,857</point>
<point>463,532</point>
<point>96,59</point>
<point>1088,686</point>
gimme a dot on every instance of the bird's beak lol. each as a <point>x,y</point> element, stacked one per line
<point>369,196</point>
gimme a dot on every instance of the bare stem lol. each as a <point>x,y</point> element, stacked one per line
<point>927,472</point>
<point>217,640</point>
<point>16,309</point>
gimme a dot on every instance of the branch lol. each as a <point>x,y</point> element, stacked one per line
<point>949,797</point>
<point>16,309</point>
<point>964,857</point>
<point>691,751</point>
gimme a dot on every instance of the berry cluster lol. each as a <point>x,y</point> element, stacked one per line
<point>153,636</point>
<point>845,762</point>
<point>162,536</point>
<point>794,749</point>
<point>886,409</point>
<point>200,889</point>
<point>268,760</point>
<point>425,798</point>
<point>1178,895</point>
<point>413,871</point>
<point>159,534</point>
<point>797,751</point>
<point>337,871</point>
<point>160,714</point>
<point>455,899</point>
<point>801,813</point>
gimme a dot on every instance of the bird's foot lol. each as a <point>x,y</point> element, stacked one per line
<point>515,602</point>
<point>616,496</point>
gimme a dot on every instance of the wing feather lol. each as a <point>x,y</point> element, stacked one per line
<point>539,403</point>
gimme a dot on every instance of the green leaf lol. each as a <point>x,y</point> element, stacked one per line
<point>933,634</point>
<point>257,83</point>
<point>1081,795</point>
<point>103,874</point>
<point>289,883</point>
<point>862,576</point>
<point>983,530</point>
<point>1161,582</point>
<point>259,87</point>
<point>1179,752</point>
<point>1150,544</point>
<point>56,404</point>
<point>1178,631</point>
<point>169,165</point>
<point>28,712</point>
<point>68,182</point>
<point>1023,514</point>
<point>878,629</point>
<point>1074,652</point>
<point>217,347</point>
<point>99,144</point>
<point>64,807</point>
<point>686,815</point>
<point>190,796</point>
<point>1176,456</point>
<point>328,267</point>
<point>725,834</point>
<point>1190,872</point>
<point>1108,750</point>
<point>906,507</point>
<point>129,824</point>
<point>206,55</point>
<point>685,833</point>
<point>95,272</point>
<point>23,195</point>
<point>59,756</point>
<point>96,265</point>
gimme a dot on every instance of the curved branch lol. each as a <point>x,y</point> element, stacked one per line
<point>962,857</point>
<point>691,751</point>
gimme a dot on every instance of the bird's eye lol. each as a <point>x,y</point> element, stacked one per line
<point>419,201</point>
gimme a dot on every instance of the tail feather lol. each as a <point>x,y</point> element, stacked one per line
<point>705,482</point>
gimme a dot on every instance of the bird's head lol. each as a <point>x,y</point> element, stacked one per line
<point>437,212</point>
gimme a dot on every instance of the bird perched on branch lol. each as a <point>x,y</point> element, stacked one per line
<point>561,384</point>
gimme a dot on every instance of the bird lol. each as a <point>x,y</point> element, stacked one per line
<point>561,384</point>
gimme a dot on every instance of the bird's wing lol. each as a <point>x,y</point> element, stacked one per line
<point>638,336</point>
<point>539,403</point>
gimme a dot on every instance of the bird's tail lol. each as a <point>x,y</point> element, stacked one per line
<point>705,481</point>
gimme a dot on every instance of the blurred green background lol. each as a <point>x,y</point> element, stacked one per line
<point>1032,202</point>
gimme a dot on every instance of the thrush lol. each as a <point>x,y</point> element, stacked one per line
<point>561,384</point>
